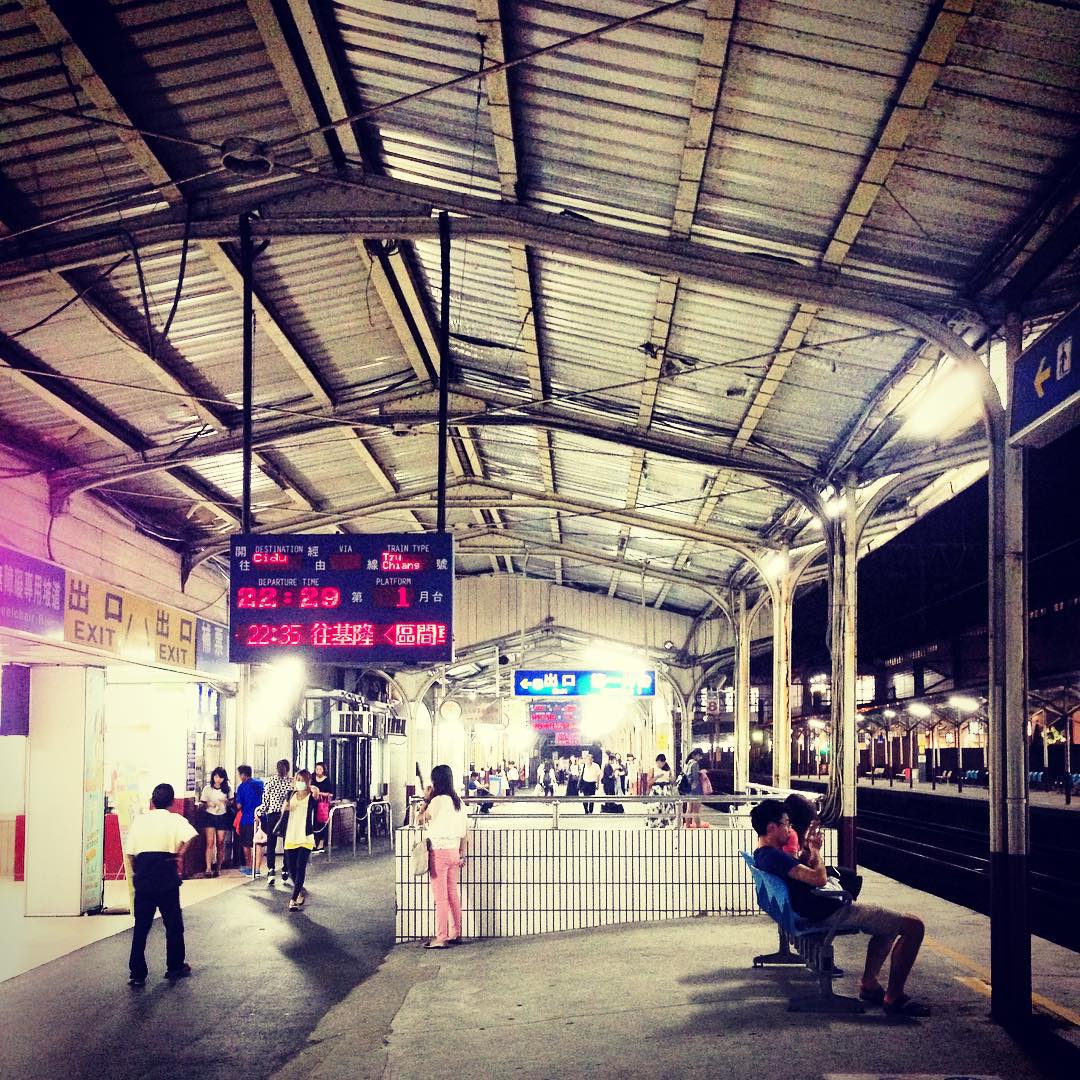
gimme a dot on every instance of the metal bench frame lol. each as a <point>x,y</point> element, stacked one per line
<point>813,944</point>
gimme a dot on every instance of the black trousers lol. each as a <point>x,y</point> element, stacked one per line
<point>296,860</point>
<point>146,904</point>
<point>269,824</point>
<point>585,788</point>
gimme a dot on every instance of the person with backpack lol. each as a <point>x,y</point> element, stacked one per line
<point>547,779</point>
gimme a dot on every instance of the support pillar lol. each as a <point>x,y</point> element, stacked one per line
<point>783,605</point>
<point>65,790</point>
<point>843,582</point>
<point>1010,941</point>
<point>742,692</point>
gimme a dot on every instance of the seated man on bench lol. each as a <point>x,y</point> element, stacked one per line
<point>900,934</point>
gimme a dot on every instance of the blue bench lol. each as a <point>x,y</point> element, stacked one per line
<point>813,943</point>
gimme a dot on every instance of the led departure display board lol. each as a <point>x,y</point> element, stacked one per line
<point>554,715</point>
<point>563,684</point>
<point>381,598</point>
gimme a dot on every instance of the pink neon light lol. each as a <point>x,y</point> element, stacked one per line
<point>339,635</point>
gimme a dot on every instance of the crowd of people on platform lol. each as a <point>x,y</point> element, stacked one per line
<point>613,774</point>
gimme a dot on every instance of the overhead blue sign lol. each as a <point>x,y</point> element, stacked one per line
<point>584,683</point>
<point>1046,385</point>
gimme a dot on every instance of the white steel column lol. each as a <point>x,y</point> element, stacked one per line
<point>849,747</point>
<point>65,790</point>
<point>783,605</point>
<point>742,692</point>
<point>843,582</point>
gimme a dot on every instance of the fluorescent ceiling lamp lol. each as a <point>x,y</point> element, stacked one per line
<point>950,398</point>
<point>917,708</point>
<point>778,565</point>
<point>964,703</point>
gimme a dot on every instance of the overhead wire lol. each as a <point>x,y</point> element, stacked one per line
<point>493,69</point>
<point>458,420</point>
<point>108,121</point>
<point>105,204</point>
<point>70,302</point>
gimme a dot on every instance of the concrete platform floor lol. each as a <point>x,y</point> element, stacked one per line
<point>324,994</point>
<point>678,999</point>
<point>30,941</point>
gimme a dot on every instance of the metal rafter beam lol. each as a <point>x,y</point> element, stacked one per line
<point>484,542</point>
<point>100,474</point>
<point>479,494</point>
<point>45,384</point>
<point>389,271</point>
<point>945,26</point>
<point>131,330</point>
<point>117,313</point>
<point>704,100</point>
<point>377,206</point>
<point>59,34</point>
<point>526,292</point>
<point>390,274</point>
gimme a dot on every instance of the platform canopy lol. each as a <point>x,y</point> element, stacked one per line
<point>710,260</point>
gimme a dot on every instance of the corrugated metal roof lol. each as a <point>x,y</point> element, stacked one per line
<point>601,129</point>
<point>603,123</point>
<point>395,47</point>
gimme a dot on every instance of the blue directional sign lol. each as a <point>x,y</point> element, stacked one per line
<point>1046,385</point>
<point>560,684</point>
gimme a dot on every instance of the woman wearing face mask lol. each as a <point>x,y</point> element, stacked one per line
<point>297,825</point>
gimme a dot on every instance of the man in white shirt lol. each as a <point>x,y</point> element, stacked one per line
<point>590,777</point>
<point>153,856</point>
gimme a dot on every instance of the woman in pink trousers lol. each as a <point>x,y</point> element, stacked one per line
<point>447,825</point>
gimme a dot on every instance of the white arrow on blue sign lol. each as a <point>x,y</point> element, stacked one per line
<point>1046,385</point>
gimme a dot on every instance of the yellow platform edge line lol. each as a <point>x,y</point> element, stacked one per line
<point>981,982</point>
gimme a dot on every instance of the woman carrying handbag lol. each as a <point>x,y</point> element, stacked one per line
<point>297,825</point>
<point>443,815</point>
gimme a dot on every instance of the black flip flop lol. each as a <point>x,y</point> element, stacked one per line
<point>874,997</point>
<point>905,1006</point>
